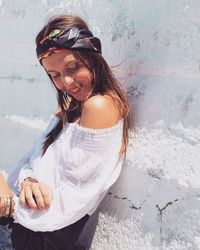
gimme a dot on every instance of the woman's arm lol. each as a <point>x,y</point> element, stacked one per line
<point>33,194</point>
<point>23,169</point>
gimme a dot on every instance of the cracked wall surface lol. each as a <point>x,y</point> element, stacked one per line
<point>153,47</point>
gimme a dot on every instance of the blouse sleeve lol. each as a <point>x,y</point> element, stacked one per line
<point>88,165</point>
<point>23,168</point>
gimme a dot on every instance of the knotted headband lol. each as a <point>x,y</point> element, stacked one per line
<point>71,38</point>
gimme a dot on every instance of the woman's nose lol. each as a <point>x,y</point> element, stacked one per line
<point>67,80</point>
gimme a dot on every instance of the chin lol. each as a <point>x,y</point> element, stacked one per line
<point>79,97</point>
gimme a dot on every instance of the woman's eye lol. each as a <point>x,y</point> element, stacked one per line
<point>71,69</point>
<point>55,77</point>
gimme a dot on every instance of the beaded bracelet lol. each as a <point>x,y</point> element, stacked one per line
<point>7,205</point>
<point>2,209</point>
<point>3,205</point>
<point>11,207</point>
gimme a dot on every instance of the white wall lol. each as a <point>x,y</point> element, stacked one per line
<point>155,204</point>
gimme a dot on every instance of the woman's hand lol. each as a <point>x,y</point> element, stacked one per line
<point>35,195</point>
<point>5,198</point>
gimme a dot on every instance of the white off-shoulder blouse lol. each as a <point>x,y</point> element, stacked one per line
<point>79,166</point>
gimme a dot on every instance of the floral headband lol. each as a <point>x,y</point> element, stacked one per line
<point>71,38</point>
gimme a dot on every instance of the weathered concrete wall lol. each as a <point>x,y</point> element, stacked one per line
<point>155,204</point>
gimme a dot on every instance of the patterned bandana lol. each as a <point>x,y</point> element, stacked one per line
<point>71,38</point>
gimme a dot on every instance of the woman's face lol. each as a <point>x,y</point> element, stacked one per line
<point>69,74</point>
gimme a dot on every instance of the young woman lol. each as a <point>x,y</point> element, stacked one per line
<point>60,182</point>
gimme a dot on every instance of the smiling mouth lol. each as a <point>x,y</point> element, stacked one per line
<point>77,89</point>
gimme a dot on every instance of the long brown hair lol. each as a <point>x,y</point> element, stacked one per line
<point>103,82</point>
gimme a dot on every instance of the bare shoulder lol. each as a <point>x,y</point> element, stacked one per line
<point>100,111</point>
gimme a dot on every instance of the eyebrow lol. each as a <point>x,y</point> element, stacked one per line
<point>52,71</point>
